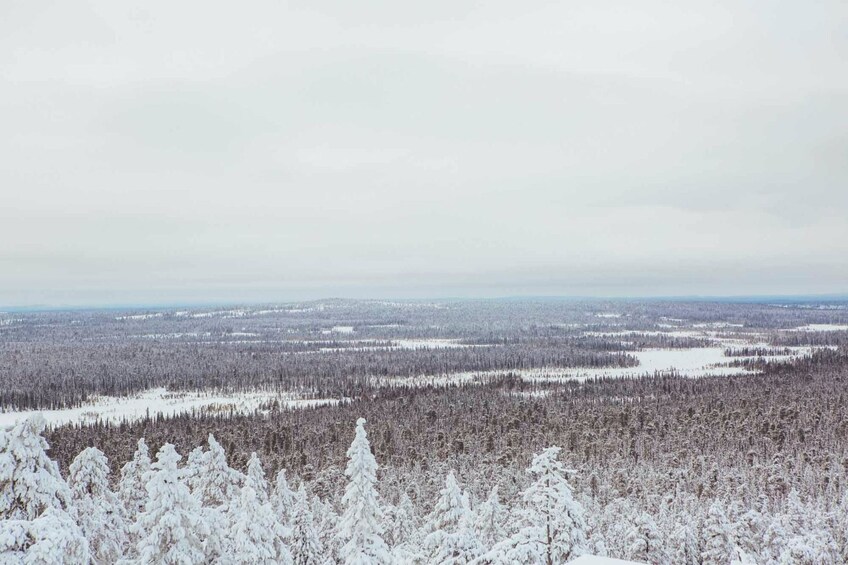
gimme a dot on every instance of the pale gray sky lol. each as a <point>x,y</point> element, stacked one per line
<point>202,150</point>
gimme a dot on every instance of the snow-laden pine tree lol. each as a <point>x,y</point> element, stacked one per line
<point>194,468</point>
<point>491,520</point>
<point>98,510</point>
<point>718,546</point>
<point>30,482</point>
<point>35,502</point>
<point>451,538</point>
<point>304,543</point>
<point>53,537</point>
<point>132,486</point>
<point>218,484</point>
<point>360,526</point>
<point>402,532</point>
<point>553,525</point>
<point>803,538</point>
<point>171,529</point>
<point>256,536</point>
<point>283,499</point>
<point>644,541</point>
<point>256,478</point>
<point>327,526</point>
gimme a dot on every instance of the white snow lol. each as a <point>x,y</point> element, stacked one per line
<point>691,363</point>
<point>821,328</point>
<point>598,560</point>
<point>159,400</point>
<point>139,317</point>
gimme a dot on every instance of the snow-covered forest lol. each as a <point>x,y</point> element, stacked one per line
<point>658,432</point>
<point>198,509</point>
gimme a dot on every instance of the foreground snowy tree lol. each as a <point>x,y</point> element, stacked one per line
<point>98,511</point>
<point>451,538</point>
<point>35,524</point>
<point>256,478</point>
<point>491,520</point>
<point>403,532</point>
<point>644,541</point>
<point>360,526</point>
<point>171,529</point>
<point>51,538</point>
<point>256,535</point>
<point>132,486</point>
<point>283,499</point>
<point>718,539</point>
<point>553,525</point>
<point>30,482</point>
<point>217,484</point>
<point>305,544</point>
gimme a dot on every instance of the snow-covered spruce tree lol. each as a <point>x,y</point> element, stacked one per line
<point>644,541</point>
<point>553,525</point>
<point>305,545</point>
<point>283,499</point>
<point>256,478</point>
<point>256,535</point>
<point>718,547</point>
<point>30,482</point>
<point>451,538</point>
<point>402,532</point>
<point>171,529</point>
<point>97,509</point>
<point>805,539</point>
<point>194,468</point>
<point>132,486</point>
<point>327,526</point>
<point>218,483</point>
<point>51,538</point>
<point>361,525</point>
<point>491,520</point>
<point>35,523</point>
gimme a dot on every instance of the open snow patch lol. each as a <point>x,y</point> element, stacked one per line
<point>160,401</point>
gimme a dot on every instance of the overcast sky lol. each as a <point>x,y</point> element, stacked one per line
<point>161,151</point>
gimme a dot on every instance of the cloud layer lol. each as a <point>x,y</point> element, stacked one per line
<point>161,151</point>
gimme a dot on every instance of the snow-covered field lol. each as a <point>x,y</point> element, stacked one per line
<point>821,328</point>
<point>690,363</point>
<point>160,401</point>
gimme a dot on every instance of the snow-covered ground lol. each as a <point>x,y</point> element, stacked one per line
<point>160,401</point>
<point>597,560</point>
<point>692,363</point>
<point>821,328</point>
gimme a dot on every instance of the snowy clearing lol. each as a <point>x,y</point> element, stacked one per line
<point>821,328</point>
<point>691,363</point>
<point>160,401</point>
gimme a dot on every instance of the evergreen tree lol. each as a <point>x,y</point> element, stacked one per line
<point>306,547</point>
<point>30,482</point>
<point>132,486</point>
<point>256,478</point>
<point>553,525</point>
<point>451,538</point>
<point>51,538</point>
<point>171,529</point>
<point>491,520</point>
<point>644,541</point>
<point>256,535</point>
<point>361,523</point>
<point>218,484</point>
<point>283,499</point>
<point>99,513</point>
<point>718,545</point>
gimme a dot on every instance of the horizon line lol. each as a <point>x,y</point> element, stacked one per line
<point>742,298</point>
